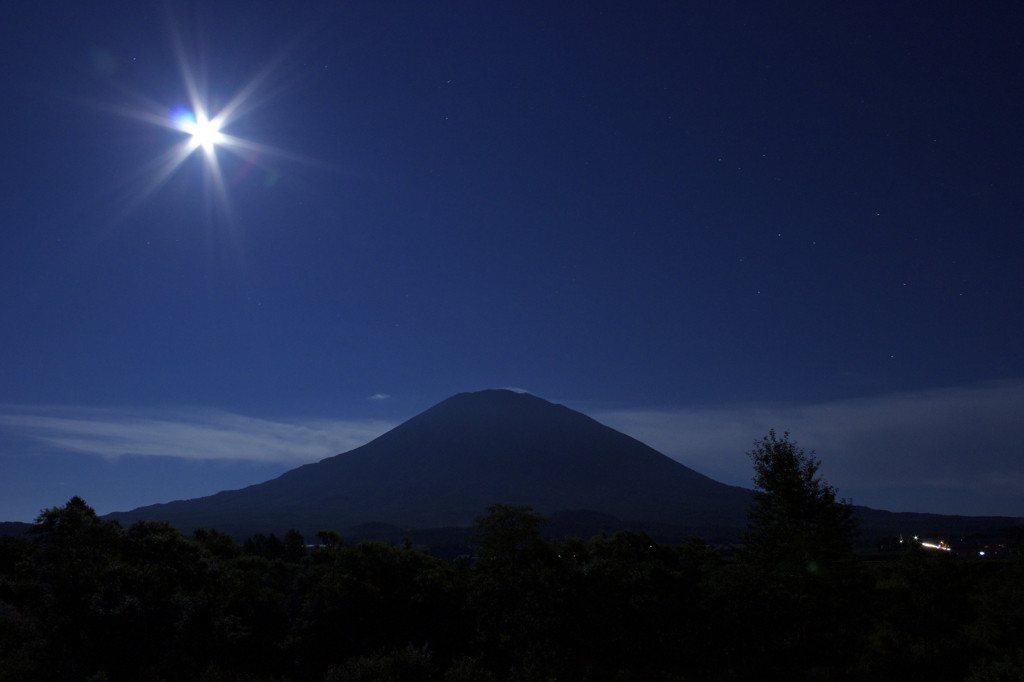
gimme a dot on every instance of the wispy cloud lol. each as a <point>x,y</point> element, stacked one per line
<point>951,450</point>
<point>379,396</point>
<point>950,442</point>
<point>191,434</point>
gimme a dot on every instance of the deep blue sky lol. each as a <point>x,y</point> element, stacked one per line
<point>655,212</point>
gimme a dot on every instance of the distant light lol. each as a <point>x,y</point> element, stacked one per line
<point>981,553</point>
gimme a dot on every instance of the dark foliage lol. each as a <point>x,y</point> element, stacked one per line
<point>796,526</point>
<point>85,599</point>
<point>798,551</point>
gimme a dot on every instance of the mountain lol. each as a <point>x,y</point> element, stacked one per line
<point>447,464</point>
<point>439,470</point>
<point>15,528</point>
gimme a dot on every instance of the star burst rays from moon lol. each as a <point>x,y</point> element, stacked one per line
<point>204,131</point>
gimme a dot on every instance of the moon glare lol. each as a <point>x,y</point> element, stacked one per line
<point>203,128</point>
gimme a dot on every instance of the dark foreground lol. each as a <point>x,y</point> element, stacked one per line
<point>85,599</point>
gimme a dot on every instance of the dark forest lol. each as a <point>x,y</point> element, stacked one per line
<point>85,599</point>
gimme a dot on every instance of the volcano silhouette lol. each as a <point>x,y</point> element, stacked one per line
<point>445,466</point>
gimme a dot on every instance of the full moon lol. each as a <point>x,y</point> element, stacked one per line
<point>205,131</point>
<point>199,126</point>
<point>205,134</point>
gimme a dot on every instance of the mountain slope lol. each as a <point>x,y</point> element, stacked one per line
<point>447,464</point>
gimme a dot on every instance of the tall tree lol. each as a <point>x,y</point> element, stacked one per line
<point>294,546</point>
<point>806,609</point>
<point>516,588</point>
<point>795,524</point>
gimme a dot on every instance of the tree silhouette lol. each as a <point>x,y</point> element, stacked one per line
<point>515,588</point>
<point>799,547</point>
<point>86,599</point>
<point>330,538</point>
<point>267,547</point>
<point>294,546</point>
<point>795,524</point>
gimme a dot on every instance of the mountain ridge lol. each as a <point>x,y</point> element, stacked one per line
<point>444,466</point>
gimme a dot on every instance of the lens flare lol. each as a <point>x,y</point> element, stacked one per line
<point>205,127</point>
<point>182,118</point>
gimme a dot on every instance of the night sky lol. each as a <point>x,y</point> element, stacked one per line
<point>692,221</point>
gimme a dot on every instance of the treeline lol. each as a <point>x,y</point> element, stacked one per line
<point>85,599</point>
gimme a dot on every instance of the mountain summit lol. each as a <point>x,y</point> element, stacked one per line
<point>444,466</point>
